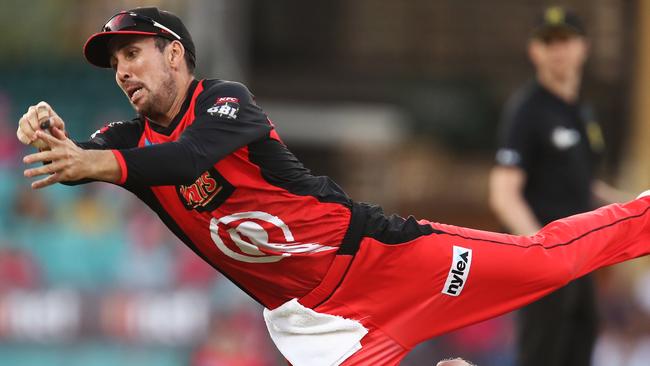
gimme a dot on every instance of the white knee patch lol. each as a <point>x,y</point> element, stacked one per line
<point>305,337</point>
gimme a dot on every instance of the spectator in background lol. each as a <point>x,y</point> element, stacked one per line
<point>149,256</point>
<point>549,148</point>
<point>9,149</point>
<point>232,337</point>
<point>30,206</point>
<point>17,268</point>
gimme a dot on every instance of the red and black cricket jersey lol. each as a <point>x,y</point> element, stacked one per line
<point>222,180</point>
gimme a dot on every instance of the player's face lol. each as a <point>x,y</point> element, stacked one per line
<point>141,71</point>
<point>560,56</point>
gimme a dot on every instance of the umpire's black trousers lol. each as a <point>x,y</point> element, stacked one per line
<point>559,329</point>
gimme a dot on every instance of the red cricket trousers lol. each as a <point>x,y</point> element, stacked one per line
<point>410,292</point>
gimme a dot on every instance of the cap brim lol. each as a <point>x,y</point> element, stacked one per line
<point>96,47</point>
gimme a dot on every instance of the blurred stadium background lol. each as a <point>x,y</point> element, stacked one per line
<point>397,101</point>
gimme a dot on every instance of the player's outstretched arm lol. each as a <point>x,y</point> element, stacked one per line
<point>64,161</point>
<point>211,137</point>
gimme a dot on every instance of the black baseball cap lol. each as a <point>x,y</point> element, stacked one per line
<point>556,20</point>
<point>149,21</point>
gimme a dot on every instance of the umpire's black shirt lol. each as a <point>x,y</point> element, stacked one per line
<point>557,144</point>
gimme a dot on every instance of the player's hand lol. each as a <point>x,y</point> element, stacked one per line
<point>31,122</point>
<point>64,160</point>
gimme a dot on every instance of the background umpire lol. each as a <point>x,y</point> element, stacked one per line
<point>549,147</point>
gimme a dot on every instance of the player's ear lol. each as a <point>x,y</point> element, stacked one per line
<point>586,47</point>
<point>176,53</point>
<point>534,51</point>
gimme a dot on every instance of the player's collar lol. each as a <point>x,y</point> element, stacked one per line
<point>179,116</point>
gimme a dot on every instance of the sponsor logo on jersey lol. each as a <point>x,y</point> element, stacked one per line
<point>207,193</point>
<point>564,138</point>
<point>225,107</point>
<point>460,264</point>
<point>258,237</point>
<point>222,100</point>
<point>105,128</point>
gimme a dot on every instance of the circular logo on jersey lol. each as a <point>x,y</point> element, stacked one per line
<point>257,237</point>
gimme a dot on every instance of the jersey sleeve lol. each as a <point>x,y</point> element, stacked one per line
<point>114,135</point>
<point>516,140</point>
<point>226,118</point>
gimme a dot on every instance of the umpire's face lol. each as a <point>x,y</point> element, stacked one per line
<point>145,72</point>
<point>559,56</point>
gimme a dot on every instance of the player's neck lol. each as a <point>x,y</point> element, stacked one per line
<point>565,88</point>
<point>184,85</point>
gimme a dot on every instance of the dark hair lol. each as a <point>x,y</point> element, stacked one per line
<point>161,43</point>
